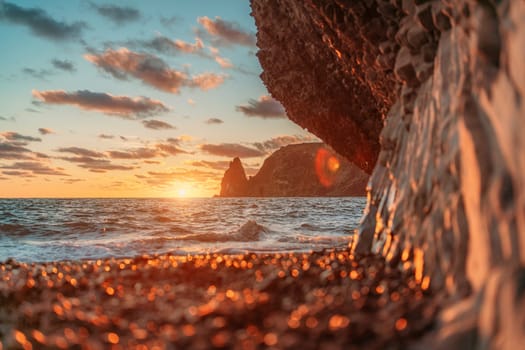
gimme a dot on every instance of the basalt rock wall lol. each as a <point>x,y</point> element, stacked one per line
<point>440,86</point>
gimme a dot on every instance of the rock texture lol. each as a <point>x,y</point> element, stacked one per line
<point>320,65</point>
<point>301,170</point>
<point>234,182</point>
<point>446,196</point>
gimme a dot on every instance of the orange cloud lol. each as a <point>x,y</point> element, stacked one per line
<point>281,141</point>
<point>151,70</point>
<point>187,47</point>
<point>225,32</point>
<point>14,136</point>
<point>206,81</point>
<point>122,106</point>
<point>97,161</point>
<point>231,150</point>
<point>217,165</point>
<point>223,62</point>
<point>165,45</point>
<point>35,168</point>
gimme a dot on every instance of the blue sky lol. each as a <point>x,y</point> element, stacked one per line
<point>131,99</point>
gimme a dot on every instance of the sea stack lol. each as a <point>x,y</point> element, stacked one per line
<point>234,182</point>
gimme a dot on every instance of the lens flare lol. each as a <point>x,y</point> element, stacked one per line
<point>326,167</point>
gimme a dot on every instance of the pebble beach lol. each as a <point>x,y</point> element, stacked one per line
<point>319,300</point>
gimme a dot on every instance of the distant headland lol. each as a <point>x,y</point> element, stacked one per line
<point>300,170</point>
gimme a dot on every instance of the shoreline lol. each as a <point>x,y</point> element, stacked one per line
<point>325,299</point>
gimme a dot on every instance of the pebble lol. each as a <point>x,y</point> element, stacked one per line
<point>328,299</point>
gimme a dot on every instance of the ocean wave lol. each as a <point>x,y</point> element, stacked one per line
<point>163,219</point>
<point>79,225</point>
<point>307,226</point>
<point>325,239</point>
<point>248,232</point>
<point>13,228</point>
<point>74,229</point>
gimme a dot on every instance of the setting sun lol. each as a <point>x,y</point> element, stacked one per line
<point>181,192</point>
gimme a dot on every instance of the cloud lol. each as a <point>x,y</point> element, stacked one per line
<point>117,14</point>
<point>162,179</point>
<point>281,141</point>
<point>41,23</point>
<point>14,136</point>
<point>222,61</point>
<point>41,74</point>
<point>138,153</point>
<point>169,22</point>
<point>151,70</point>
<point>206,81</point>
<point>92,160</point>
<point>214,121</point>
<point>36,168</point>
<point>64,65</point>
<point>225,32</point>
<point>13,150</point>
<point>231,150</point>
<point>106,137</point>
<point>83,152</point>
<point>165,45</point>
<point>265,107</point>
<point>157,125</point>
<point>10,119</point>
<point>96,165</point>
<point>121,106</point>
<point>217,165</point>
<point>100,162</point>
<point>45,131</point>
<point>16,173</point>
<point>178,141</point>
<point>181,45</point>
<point>170,149</point>
<point>72,181</point>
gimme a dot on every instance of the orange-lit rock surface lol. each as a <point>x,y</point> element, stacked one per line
<point>234,182</point>
<point>447,193</point>
<point>300,170</point>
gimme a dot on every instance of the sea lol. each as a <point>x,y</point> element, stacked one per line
<point>40,230</point>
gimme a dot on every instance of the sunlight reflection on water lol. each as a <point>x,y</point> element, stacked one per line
<point>61,229</point>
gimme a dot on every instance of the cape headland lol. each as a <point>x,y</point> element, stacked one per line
<point>299,170</point>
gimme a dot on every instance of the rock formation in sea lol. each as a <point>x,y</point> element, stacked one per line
<point>307,169</point>
<point>429,97</point>
<point>234,182</point>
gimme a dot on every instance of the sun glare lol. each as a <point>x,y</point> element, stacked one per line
<point>181,192</point>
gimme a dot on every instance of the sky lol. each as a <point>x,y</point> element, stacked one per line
<point>131,98</point>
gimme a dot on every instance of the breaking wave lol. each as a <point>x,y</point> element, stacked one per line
<point>49,230</point>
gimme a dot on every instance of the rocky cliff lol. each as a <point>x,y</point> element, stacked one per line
<point>302,170</point>
<point>234,182</point>
<point>430,95</point>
